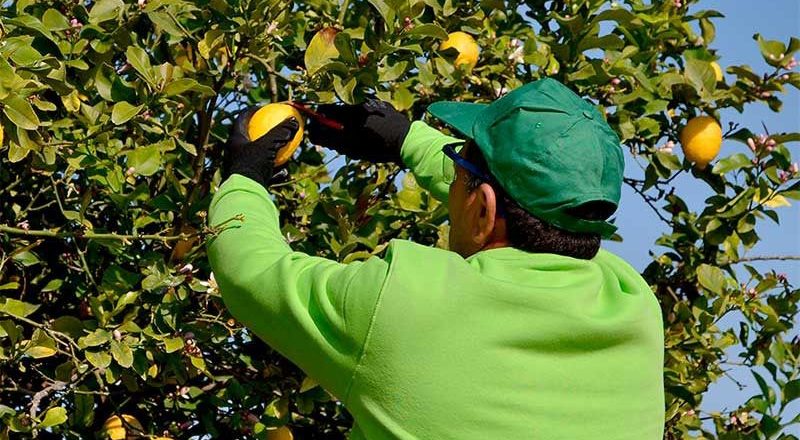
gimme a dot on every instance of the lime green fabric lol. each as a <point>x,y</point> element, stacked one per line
<point>423,344</point>
<point>422,153</point>
<point>548,148</point>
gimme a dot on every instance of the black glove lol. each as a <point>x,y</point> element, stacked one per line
<point>255,159</point>
<point>373,131</point>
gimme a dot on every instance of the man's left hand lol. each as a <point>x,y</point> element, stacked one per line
<point>255,159</point>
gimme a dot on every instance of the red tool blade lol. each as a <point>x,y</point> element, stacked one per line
<point>322,119</point>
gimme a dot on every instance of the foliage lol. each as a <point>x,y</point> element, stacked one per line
<point>113,113</point>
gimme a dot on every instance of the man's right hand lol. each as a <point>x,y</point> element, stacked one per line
<point>373,131</point>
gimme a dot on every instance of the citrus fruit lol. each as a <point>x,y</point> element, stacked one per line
<point>717,71</point>
<point>465,45</point>
<point>1,135</point>
<point>282,433</point>
<point>268,117</point>
<point>701,140</point>
<point>115,429</point>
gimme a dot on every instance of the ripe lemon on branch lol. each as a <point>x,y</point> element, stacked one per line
<point>115,429</point>
<point>701,140</point>
<point>268,117</point>
<point>465,45</point>
<point>282,433</point>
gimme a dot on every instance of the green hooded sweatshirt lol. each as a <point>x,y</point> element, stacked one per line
<point>424,344</point>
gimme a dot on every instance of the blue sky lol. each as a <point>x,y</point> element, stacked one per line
<point>773,19</point>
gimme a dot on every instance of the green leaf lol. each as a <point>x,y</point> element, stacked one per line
<point>145,160</point>
<point>69,325</point>
<point>54,416</point>
<point>772,51</point>
<point>345,90</point>
<point>54,20</point>
<point>26,258</point>
<point>762,384</point>
<point>122,353</point>
<point>173,344</point>
<point>17,308</point>
<point>105,10</point>
<point>701,76</point>
<point>99,359</point>
<point>182,85</point>
<point>95,338</point>
<point>791,390</point>
<point>139,60</point>
<point>20,112</point>
<point>122,112</point>
<point>730,163</point>
<point>21,51</point>
<point>321,50</point>
<point>707,30</point>
<point>53,285</point>
<point>711,278</point>
<point>41,345</point>
<point>10,330</point>
<point>384,8</point>
<point>198,362</point>
<point>165,22</point>
<point>428,30</point>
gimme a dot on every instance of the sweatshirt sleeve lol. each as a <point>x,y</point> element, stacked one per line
<point>422,153</point>
<point>314,311</point>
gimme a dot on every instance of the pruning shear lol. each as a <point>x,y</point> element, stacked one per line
<point>319,117</point>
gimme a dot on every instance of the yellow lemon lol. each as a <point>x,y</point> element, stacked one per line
<point>268,117</point>
<point>701,140</point>
<point>717,71</point>
<point>1,135</point>
<point>465,45</point>
<point>282,433</point>
<point>115,429</point>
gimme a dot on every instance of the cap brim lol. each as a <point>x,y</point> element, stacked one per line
<point>459,115</point>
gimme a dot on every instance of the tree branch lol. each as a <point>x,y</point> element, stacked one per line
<point>47,233</point>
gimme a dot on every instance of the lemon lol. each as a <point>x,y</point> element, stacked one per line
<point>701,140</point>
<point>115,429</point>
<point>268,117</point>
<point>282,433</point>
<point>1,135</point>
<point>465,45</point>
<point>717,71</point>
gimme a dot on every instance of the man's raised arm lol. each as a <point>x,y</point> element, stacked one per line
<point>314,311</point>
<point>374,131</point>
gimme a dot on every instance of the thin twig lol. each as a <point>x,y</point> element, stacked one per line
<point>649,202</point>
<point>342,12</point>
<point>307,175</point>
<point>767,258</point>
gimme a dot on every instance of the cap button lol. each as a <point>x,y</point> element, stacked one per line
<point>588,114</point>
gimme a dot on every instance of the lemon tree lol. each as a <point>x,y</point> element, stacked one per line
<point>113,114</point>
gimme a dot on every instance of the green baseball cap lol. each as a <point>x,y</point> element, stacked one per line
<point>550,150</point>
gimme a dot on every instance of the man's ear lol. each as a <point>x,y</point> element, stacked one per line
<point>483,213</point>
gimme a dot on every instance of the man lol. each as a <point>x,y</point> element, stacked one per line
<point>524,330</point>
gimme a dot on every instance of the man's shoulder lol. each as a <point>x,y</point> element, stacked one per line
<point>407,250</point>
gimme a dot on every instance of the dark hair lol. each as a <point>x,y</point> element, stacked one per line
<point>531,234</point>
